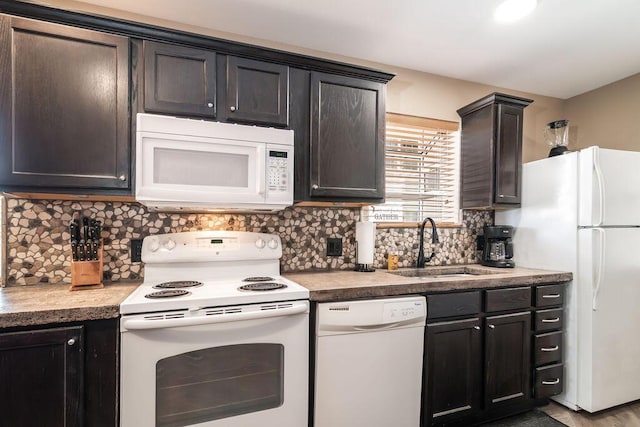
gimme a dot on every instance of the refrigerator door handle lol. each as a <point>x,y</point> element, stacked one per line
<point>600,179</point>
<point>601,252</point>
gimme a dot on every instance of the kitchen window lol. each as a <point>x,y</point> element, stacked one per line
<point>421,171</point>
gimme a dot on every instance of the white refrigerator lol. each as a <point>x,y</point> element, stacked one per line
<point>580,212</point>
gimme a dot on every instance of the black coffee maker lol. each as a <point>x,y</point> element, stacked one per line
<point>497,248</point>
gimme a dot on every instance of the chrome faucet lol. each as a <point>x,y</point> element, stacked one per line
<point>434,240</point>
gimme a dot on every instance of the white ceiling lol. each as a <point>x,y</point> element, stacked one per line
<point>566,47</point>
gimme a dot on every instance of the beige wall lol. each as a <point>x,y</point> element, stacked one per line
<point>608,117</point>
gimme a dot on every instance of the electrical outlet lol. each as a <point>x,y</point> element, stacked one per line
<point>334,246</point>
<point>136,250</point>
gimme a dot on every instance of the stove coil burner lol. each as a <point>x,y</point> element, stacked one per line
<point>262,286</point>
<point>258,279</point>
<point>178,284</point>
<point>167,293</point>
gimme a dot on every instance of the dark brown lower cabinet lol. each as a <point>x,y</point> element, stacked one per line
<point>453,366</point>
<point>507,359</point>
<point>61,376</point>
<point>42,377</point>
<point>485,356</point>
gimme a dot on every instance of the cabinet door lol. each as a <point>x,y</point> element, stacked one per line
<point>347,138</point>
<point>507,359</point>
<point>64,97</point>
<point>453,366</point>
<point>179,80</point>
<point>257,91</point>
<point>508,154</point>
<point>42,375</point>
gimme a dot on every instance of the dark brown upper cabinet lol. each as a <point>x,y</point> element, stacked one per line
<point>64,99</point>
<point>257,92</point>
<point>346,148</point>
<point>179,80</point>
<point>491,155</point>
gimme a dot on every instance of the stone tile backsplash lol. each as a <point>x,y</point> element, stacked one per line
<point>38,248</point>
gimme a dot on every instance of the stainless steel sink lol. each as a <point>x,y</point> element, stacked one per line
<point>444,272</point>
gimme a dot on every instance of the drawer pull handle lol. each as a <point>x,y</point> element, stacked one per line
<point>551,296</point>
<point>552,382</point>
<point>554,320</point>
<point>549,348</point>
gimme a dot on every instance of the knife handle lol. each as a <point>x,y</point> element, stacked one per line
<point>81,251</point>
<point>74,250</point>
<point>85,229</point>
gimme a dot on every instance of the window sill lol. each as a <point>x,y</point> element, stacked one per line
<point>380,225</point>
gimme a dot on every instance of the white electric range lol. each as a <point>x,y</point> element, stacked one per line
<point>214,336</point>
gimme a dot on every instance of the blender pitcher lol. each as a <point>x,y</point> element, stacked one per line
<point>556,134</point>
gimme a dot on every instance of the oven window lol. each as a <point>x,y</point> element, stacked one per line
<point>218,382</point>
<point>185,167</point>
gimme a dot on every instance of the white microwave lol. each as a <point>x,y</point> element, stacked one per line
<point>197,165</point>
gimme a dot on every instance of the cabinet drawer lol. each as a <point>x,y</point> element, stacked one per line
<point>455,304</point>
<point>549,381</point>
<point>547,348</point>
<point>508,299</point>
<point>548,320</point>
<point>549,295</point>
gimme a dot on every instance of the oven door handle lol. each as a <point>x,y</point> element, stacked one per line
<point>140,324</point>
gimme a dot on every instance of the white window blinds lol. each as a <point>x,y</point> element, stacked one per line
<point>421,166</point>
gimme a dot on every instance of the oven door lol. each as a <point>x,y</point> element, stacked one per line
<point>240,366</point>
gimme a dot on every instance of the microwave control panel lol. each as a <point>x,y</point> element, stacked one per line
<point>278,167</point>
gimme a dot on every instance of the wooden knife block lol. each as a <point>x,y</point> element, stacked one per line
<point>87,274</point>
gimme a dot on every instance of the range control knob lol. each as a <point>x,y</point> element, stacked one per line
<point>169,244</point>
<point>273,243</point>
<point>260,243</point>
<point>154,245</point>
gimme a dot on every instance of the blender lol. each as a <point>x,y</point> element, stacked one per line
<point>556,134</point>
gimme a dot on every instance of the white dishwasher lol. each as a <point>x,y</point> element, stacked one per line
<point>369,362</point>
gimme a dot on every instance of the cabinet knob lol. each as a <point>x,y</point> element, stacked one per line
<point>477,328</point>
<point>232,108</point>
<point>122,177</point>
<point>71,341</point>
<point>315,186</point>
<point>210,104</point>
<point>492,326</point>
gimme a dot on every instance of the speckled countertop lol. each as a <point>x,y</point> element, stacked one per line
<point>44,304</point>
<point>340,285</point>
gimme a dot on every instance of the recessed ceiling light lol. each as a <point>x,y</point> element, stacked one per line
<point>512,10</point>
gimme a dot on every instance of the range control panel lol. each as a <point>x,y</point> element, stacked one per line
<point>209,246</point>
